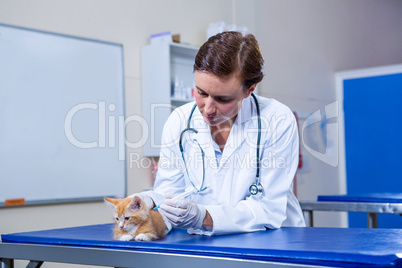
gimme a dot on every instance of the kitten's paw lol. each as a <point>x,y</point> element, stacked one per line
<point>142,237</point>
<point>126,237</point>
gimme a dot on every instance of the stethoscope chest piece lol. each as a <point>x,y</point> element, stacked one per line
<point>256,189</point>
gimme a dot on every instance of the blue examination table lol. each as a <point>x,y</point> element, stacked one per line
<point>285,247</point>
<point>370,203</point>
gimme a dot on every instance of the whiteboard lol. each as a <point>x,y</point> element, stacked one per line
<point>61,118</point>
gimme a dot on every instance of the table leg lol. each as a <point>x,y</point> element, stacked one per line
<point>310,218</point>
<point>34,264</point>
<point>6,263</point>
<point>372,221</point>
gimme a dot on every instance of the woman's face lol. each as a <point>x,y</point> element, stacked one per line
<point>219,99</point>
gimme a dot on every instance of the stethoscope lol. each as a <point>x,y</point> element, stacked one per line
<point>256,187</point>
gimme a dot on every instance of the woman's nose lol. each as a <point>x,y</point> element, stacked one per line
<point>209,107</point>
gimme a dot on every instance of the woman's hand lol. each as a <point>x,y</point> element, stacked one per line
<point>183,213</point>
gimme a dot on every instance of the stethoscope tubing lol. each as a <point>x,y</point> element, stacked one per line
<point>254,188</point>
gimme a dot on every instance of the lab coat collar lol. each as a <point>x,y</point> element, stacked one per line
<point>237,134</point>
<point>247,110</point>
<point>203,136</point>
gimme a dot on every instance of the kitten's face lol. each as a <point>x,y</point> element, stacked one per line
<point>124,218</point>
<point>128,213</point>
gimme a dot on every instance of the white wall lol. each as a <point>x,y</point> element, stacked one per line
<point>304,44</point>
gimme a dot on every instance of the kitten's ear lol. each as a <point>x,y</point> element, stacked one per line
<point>110,202</point>
<point>136,203</point>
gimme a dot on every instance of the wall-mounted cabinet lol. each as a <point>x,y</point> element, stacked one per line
<point>167,82</point>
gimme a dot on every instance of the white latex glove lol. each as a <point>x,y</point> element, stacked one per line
<point>183,213</point>
<point>145,198</point>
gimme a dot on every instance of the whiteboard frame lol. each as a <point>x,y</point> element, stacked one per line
<point>122,95</point>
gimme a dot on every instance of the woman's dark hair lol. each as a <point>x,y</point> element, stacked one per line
<point>229,53</point>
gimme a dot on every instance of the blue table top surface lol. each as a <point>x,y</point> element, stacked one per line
<point>320,246</point>
<point>364,197</point>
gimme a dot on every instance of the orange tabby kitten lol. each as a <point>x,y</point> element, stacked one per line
<point>135,221</point>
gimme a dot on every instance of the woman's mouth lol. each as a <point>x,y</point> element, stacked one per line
<point>210,118</point>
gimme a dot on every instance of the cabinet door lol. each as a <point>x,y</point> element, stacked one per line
<point>373,132</point>
<point>156,87</point>
<point>161,65</point>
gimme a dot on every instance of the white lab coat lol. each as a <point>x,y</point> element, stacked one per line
<point>227,198</point>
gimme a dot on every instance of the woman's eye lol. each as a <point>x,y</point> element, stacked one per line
<point>223,100</point>
<point>202,93</point>
<point>126,218</point>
